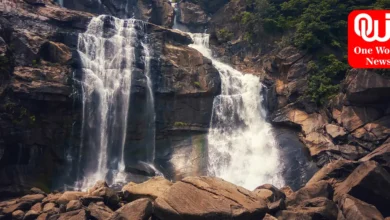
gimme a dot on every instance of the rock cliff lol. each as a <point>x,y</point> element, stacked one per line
<point>41,102</point>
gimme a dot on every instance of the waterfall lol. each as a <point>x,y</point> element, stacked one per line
<point>151,115</point>
<point>107,52</point>
<point>242,148</point>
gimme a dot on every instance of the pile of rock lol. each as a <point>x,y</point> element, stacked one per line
<point>340,190</point>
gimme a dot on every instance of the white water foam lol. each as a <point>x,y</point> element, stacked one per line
<point>242,148</point>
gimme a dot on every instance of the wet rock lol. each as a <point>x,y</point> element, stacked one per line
<point>276,193</point>
<point>18,215</point>
<point>356,209</point>
<point>287,190</point>
<point>55,52</point>
<point>208,198</point>
<point>269,217</point>
<point>52,197</point>
<point>366,87</point>
<point>264,194</point>
<point>35,190</point>
<point>276,206</point>
<point>152,189</point>
<point>375,131</point>
<point>43,216</point>
<point>49,207</point>
<point>108,195</point>
<point>316,208</point>
<point>74,215</point>
<point>18,206</point>
<point>99,212</point>
<point>99,184</point>
<point>310,191</point>
<point>141,209</point>
<point>381,155</point>
<point>31,215</point>
<point>366,183</point>
<point>37,207</point>
<point>73,205</point>
<point>334,172</point>
<point>70,195</point>
<point>353,117</point>
<point>86,200</point>
<point>32,198</point>
<point>141,169</point>
<point>335,131</point>
<point>297,118</point>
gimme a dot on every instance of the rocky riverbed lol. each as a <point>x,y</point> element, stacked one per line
<point>340,190</point>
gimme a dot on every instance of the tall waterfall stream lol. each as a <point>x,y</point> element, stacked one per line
<point>242,147</point>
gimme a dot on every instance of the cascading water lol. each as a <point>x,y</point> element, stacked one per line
<point>107,58</point>
<point>242,149</point>
<point>151,115</point>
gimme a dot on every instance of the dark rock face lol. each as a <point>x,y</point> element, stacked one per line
<point>36,102</point>
<point>366,183</point>
<point>352,208</point>
<point>159,12</point>
<point>41,103</point>
<point>192,14</point>
<point>209,6</point>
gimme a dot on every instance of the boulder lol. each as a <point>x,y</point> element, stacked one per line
<point>37,207</point>
<point>99,184</point>
<point>310,191</point>
<point>35,190</point>
<point>49,207</point>
<point>18,215</point>
<point>73,205</point>
<point>287,190</point>
<point>152,189</point>
<point>276,206</point>
<point>141,209</point>
<point>74,215</point>
<point>316,208</point>
<point>276,193</point>
<point>381,155</point>
<point>353,117</point>
<point>32,198</point>
<point>86,200</point>
<point>269,217</point>
<point>335,131</point>
<point>366,87</point>
<point>292,116</point>
<point>70,195</point>
<point>208,198</point>
<point>334,172</point>
<point>43,216</point>
<point>366,183</point>
<point>352,208</point>
<point>99,212</point>
<point>375,131</point>
<point>31,215</point>
<point>52,197</point>
<point>264,194</point>
<point>108,195</point>
<point>18,206</point>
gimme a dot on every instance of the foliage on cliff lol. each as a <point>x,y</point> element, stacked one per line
<point>316,26</point>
